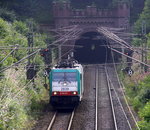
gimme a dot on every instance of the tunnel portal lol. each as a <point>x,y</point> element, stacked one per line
<point>92,48</point>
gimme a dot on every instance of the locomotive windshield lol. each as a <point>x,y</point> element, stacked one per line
<point>64,76</point>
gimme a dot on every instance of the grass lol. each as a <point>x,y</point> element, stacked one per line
<point>20,104</point>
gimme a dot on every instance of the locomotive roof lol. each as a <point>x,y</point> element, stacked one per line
<point>75,67</point>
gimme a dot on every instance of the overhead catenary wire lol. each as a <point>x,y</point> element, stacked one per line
<point>64,38</point>
<point>114,37</point>
<point>129,57</point>
<point>120,47</point>
<point>8,55</point>
<point>47,65</point>
<point>17,63</point>
<point>29,56</point>
<point>18,82</point>
<point>34,48</point>
<point>61,31</point>
<point>34,76</point>
<point>15,96</point>
<point>67,36</point>
<point>20,60</point>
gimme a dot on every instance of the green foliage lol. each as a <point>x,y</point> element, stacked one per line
<point>144,16</point>
<point>139,97</point>
<point>16,33</point>
<point>39,10</point>
<point>137,42</point>
<point>145,112</point>
<point>144,125</point>
<point>136,8</point>
<point>7,15</point>
<point>21,27</point>
<point>20,102</point>
<point>19,116</point>
<point>10,37</point>
<point>4,28</point>
<point>148,40</point>
<point>136,103</point>
<point>145,115</point>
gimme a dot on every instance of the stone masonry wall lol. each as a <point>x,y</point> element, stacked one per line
<point>65,15</point>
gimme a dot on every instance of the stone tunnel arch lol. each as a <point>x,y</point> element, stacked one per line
<point>93,48</point>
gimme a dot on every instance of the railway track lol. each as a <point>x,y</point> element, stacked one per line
<point>109,111</point>
<point>118,89</point>
<point>61,120</point>
<point>119,114</point>
<point>103,111</point>
<point>101,107</point>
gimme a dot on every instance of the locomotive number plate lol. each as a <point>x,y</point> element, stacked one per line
<point>64,89</point>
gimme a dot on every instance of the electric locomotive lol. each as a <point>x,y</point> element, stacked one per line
<point>66,84</point>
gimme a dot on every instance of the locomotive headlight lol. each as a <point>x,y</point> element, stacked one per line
<point>55,93</point>
<point>65,84</point>
<point>74,93</point>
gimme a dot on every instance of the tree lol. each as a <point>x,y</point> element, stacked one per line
<point>145,16</point>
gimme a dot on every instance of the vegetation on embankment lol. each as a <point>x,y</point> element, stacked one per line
<point>21,100</point>
<point>137,87</point>
<point>144,19</point>
<point>137,90</point>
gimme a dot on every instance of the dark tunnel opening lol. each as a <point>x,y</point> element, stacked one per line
<point>92,48</point>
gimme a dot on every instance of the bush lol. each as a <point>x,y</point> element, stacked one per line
<point>139,96</point>
<point>136,103</point>
<point>4,28</point>
<point>16,33</point>
<point>145,112</point>
<point>20,103</point>
<point>21,27</point>
<point>144,125</point>
<point>7,15</point>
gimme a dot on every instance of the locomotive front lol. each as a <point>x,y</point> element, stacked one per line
<point>64,87</point>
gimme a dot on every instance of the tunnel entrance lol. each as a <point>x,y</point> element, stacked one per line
<point>93,49</point>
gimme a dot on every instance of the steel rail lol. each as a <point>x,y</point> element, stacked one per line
<point>54,118</point>
<point>52,121</point>
<point>71,119</point>
<point>121,105</point>
<point>121,85</point>
<point>96,99</point>
<point>133,117</point>
<point>111,101</point>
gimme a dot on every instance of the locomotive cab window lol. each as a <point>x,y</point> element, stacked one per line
<point>64,76</point>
